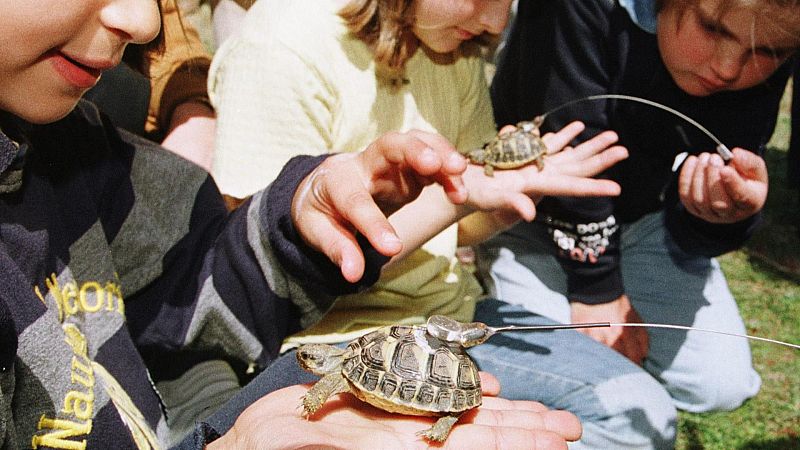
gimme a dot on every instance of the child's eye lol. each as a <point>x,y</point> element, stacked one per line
<point>710,27</point>
<point>774,54</point>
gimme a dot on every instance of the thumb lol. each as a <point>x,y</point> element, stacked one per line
<point>749,165</point>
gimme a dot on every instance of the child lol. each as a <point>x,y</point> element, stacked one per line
<point>648,254</point>
<point>292,82</point>
<point>279,94</point>
<point>92,215</point>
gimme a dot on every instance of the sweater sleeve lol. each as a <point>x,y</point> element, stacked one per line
<point>201,284</point>
<point>696,236</point>
<point>557,53</point>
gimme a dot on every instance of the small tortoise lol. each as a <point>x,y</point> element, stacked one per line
<point>399,369</point>
<point>512,149</point>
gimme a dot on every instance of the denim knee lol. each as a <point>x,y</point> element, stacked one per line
<point>717,389</point>
<point>638,414</point>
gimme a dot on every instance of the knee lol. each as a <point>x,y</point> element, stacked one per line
<point>717,390</point>
<point>638,413</point>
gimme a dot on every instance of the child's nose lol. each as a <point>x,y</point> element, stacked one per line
<point>728,61</point>
<point>494,16</point>
<point>137,21</point>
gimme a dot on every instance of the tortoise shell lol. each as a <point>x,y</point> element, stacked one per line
<point>512,149</point>
<point>404,369</point>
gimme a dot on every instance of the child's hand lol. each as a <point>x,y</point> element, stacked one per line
<point>275,422</point>
<point>357,191</point>
<point>512,194</point>
<point>633,342</point>
<point>718,193</point>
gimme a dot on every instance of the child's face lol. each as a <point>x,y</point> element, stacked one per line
<point>443,25</point>
<point>706,53</point>
<point>53,51</point>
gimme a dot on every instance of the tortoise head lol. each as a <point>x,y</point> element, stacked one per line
<point>477,156</point>
<point>320,359</point>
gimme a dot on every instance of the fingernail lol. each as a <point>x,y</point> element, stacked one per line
<point>390,239</point>
<point>428,155</point>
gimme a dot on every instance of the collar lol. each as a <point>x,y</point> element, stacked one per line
<point>12,155</point>
<point>642,12</point>
<point>8,151</point>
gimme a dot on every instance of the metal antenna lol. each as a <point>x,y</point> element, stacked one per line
<point>721,148</point>
<point>493,330</point>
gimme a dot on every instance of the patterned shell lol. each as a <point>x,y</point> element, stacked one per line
<point>512,149</point>
<point>404,369</point>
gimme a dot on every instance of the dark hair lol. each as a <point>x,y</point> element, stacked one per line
<point>138,56</point>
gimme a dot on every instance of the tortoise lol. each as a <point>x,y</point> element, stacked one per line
<point>512,149</point>
<point>400,368</point>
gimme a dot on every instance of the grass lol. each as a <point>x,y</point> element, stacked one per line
<point>764,278</point>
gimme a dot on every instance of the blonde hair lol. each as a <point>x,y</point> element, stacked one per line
<point>386,26</point>
<point>777,11</point>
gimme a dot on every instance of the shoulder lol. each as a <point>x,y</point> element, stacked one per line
<point>98,139</point>
<point>642,13</point>
<point>584,9</point>
<point>565,17</point>
<point>276,33</point>
<point>290,21</point>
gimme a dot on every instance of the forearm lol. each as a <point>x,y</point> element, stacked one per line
<point>424,218</point>
<point>480,226</point>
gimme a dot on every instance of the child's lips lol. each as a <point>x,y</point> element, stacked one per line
<point>465,34</point>
<point>711,84</point>
<point>79,72</point>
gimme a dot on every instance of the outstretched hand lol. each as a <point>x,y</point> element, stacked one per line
<point>511,195</point>
<point>355,192</point>
<point>275,422</point>
<point>718,193</point>
<point>565,172</point>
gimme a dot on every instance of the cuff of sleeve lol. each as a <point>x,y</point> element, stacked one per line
<point>698,237</point>
<point>594,289</point>
<point>300,260</point>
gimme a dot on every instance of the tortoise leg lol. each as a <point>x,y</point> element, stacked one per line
<point>540,163</point>
<point>488,169</point>
<point>441,429</point>
<point>323,389</point>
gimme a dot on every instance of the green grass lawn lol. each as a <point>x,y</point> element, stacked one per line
<point>764,278</point>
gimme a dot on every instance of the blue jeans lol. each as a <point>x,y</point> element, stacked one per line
<point>693,371</point>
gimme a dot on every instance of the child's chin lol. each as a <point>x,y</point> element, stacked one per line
<point>694,89</point>
<point>47,113</point>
